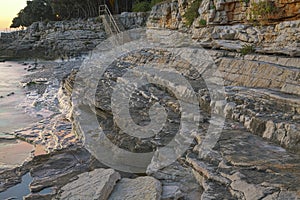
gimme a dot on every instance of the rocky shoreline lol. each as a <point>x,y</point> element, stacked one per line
<point>256,156</point>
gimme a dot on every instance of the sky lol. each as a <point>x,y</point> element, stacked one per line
<point>8,10</point>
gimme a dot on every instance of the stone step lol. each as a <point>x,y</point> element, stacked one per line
<point>251,73</point>
<point>279,60</point>
<point>270,114</point>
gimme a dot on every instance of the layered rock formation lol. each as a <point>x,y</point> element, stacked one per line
<point>62,39</point>
<point>226,25</point>
<point>57,39</point>
<point>255,153</point>
<point>258,104</point>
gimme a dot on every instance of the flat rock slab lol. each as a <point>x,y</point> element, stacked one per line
<point>249,168</point>
<point>97,184</point>
<point>136,189</point>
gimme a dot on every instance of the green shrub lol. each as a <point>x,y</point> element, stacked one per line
<point>247,49</point>
<point>263,9</point>
<point>192,13</point>
<point>154,2</point>
<point>202,22</point>
<point>143,6</point>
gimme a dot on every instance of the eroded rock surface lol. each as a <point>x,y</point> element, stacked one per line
<point>97,184</point>
<point>256,155</point>
<point>139,188</point>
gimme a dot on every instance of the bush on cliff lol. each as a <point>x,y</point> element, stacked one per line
<point>192,12</point>
<point>247,49</point>
<point>145,5</point>
<point>261,11</point>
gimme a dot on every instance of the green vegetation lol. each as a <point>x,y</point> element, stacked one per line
<point>35,10</point>
<point>263,10</point>
<point>212,7</point>
<point>247,49</point>
<point>192,13</point>
<point>49,10</point>
<point>154,2</point>
<point>144,5</point>
<point>202,22</point>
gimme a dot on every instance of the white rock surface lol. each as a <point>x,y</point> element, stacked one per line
<point>97,184</point>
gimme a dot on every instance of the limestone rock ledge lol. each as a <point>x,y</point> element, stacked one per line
<point>227,25</point>
<point>97,184</point>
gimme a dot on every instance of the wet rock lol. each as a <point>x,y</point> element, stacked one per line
<point>58,169</point>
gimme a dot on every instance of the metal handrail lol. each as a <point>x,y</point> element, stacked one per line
<point>111,18</point>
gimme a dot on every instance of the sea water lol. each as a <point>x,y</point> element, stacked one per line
<point>12,117</point>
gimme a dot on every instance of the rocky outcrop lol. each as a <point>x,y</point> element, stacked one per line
<point>258,74</point>
<point>241,154</point>
<point>57,39</point>
<point>226,25</point>
<point>249,169</point>
<point>131,20</point>
<point>63,39</point>
<point>6,39</point>
<point>273,39</point>
<point>254,155</point>
<point>231,12</point>
<point>170,14</point>
<point>167,15</point>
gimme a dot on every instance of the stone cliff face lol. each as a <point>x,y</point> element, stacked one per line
<point>170,14</point>
<point>232,11</point>
<point>276,77</point>
<point>247,161</point>
<point>228,25</point>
